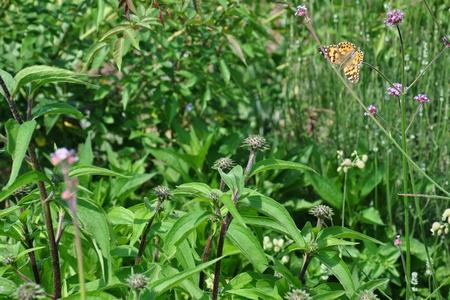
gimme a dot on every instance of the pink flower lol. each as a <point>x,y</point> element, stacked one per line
<point>301,11</point>
<point>62,154</point>
<point>67,194</point>
<point>422,98</point>
<point>395,90</point>
<point>371,110</point>
<point>397,241</point>
<point>394,17</point>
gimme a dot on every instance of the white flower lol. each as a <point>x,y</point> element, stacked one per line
<point>267,244</point>
<point>446,215</point>
<point>285,259</point>
<point>435,228</point>
<point>346,163</point>
<point>209,282</point>
<point>364,157</point>
<point>360,164</point>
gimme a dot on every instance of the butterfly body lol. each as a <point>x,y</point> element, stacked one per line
<point>346,55</point>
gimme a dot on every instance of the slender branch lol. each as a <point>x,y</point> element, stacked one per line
<point>426,68</point>
<point>31,254</point>
<point>56,272</point>
<point>425,196</point>
<point>379,72</point>
<point>306,261</point>
<point>60,228</point>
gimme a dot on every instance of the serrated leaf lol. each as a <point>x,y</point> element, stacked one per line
<point>118,52</point>
<point>92,52</point>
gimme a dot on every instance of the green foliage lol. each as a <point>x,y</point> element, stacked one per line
<point>152,93</point>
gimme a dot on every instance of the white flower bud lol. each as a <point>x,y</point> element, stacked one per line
<point>360,164</point>
<point>285,259</point>
<point>435,227</point>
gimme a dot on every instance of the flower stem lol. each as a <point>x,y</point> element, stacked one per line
<point>147,228</point>
<point>405,168</point>
<point>344,199</point>
<point>78,248</point>
<point>56,272</point>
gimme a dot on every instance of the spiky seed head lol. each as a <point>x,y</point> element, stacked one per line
<point>322,212</point>
<point>225,164</point>
<point>297,294</point>
<point>214,196</point>
<point>311,247</point>
<point>162,192</point>
<point>255,143</point>
<point>137,281</point>
<point>30,291</point>
<point>367,295</point>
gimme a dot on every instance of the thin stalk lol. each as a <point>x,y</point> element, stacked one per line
<point>426,68</point>
<point>344,199</point>
<point>388,188</point>
<point>31,254</point>
<point>306,260</point>
<point>205,258</point>
<point>425,196</point>
<point>56,272</point>
<point>147,228</point>
<point>78,248</point>
<point>379,72</point>
<point>405,172</point>
<point>251,161</point>
<point>414,117</point>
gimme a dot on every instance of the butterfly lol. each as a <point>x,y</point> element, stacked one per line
<point>348,56</point>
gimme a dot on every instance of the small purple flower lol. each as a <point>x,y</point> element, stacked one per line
<point>371,110</point>
<point>395,90</point>
<point>189,107</point>
<point>422,98</point>
<point>397,241</point>
<point>394,17</point>
<point>301,11</point>
<point>62,154</point>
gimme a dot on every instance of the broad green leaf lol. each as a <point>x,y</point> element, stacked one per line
<point>114,31</point>
<point>189,286</point>
<point>255,293</point>
<point>9,82</point>
<point>339,269</point>
<point>21,181</point>
<point>46,74</point>
<point>118,52</point>
<point>371,215</point>
<point>283,270</point>
<point>124,187</point>
<point>7,287</point>
<point>194,188</point>
<point>342,232</point>
<point>6,211</point>
<point>124,251</point>
<point>182,227</point>
<point>236,47</point>
<point>277,164</point>
<point>56,108</point>
<point>326,189</point>
<point>21,142</point>
<point>95,295</point>
<point>100,12</point>
<point>276,211</point>
<point>11,127</point>
<point>266,222</point>
<point>119,215</point>
<point>329,295</point>
<point>92,52</point>
<point>249,245</point>
<point>234,179</point>
<point>93,220</point>
<point>83,169</point>
<point>164,284</point>
<point>224,71</point>
<point>373,284</point>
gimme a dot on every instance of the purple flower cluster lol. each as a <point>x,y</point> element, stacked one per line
<point>301,11</point>
<point>422,98</point>
<point>62,154</point>
<point>395,90</point>
<point>394,17</point>
<point>371,110</point>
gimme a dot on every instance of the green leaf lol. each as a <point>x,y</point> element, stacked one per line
<point>46,74</point>
<point>370,183</point>
<point>276,211</point>
<point>131,37</point>
<point>92,52</point>
<point>342,232</point>
<point>118,52</point>
<point>119,215</point>
<point>373,284</point>
<point>277,164</point>
<point>339,270</point>
<point>326,189</point>
<point>21,181</point>
<point>329,295</point>
<point>224,71</point>
<point>84,169</point>
<point>228,202</point>
<point>93,220</point>
<point>254,293</point>
<point>95,295</point>
<point>11,127</point>
<point>100,12</point>
<point>264,222</point>
<point>164,284</point>
<point>6,211</point>
<point>181,229</point>
<point>124,187</point>
<point>195,189</point>
<point>7,287</point>
<point>56,108</point>
<point>21,142</point>
<point>234,179</point>
<point>249,245</point>
<point>9,82</point>
<point>371,215</point>
<point>236,47</point>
